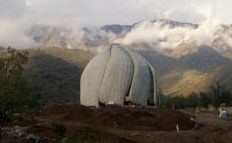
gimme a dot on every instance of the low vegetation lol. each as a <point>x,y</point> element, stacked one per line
<point>191,73</point>
<point>14,88</point>
<point>54,74</point>
<point>217,95</point>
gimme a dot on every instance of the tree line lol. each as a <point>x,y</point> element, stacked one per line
<point>217,95</point>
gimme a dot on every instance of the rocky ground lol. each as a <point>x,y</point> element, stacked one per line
<point>114,124</point>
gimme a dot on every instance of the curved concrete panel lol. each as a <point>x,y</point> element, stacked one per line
<point>118,76</point>
<point>153,84</point>
<point>141,83</point>
<point>92,77</point>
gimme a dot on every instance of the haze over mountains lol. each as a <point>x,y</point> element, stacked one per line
<point>159,35</point>
<point>187,57</point>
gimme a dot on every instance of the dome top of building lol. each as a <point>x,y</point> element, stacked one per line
<point>117,75</point>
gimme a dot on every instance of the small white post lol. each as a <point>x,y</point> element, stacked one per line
<point>177,128</point>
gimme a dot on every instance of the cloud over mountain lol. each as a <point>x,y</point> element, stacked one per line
<point>161,34</point>
<point>16,17</point>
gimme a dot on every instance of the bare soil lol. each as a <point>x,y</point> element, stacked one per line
<point>128,124</point>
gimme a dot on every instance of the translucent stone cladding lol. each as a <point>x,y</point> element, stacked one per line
<point>117,73</point>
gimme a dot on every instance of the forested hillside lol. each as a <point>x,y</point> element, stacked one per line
<point>54,73</point>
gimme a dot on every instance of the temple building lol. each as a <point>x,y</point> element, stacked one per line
<point>119,76</point>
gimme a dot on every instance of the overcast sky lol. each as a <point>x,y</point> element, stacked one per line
<point>100,12</point>
<point>16,16</point>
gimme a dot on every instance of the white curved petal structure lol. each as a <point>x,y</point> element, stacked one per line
<point>141,83</point>
<point>92,77</point>
<point>118,77</point>
<point>115,74</point>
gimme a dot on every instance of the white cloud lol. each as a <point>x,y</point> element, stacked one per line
<point>28,3</point>
<point>168,37</point>
<point>12,33</point>
<point>76,13</point>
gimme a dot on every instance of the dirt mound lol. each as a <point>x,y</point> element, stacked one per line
<point>82,134</point>
<point>140,118</point>
<point>18,120</point>
<point>93,135</point>
<point>66,112</point>
<point>42,131</point>
<point>129,118</point>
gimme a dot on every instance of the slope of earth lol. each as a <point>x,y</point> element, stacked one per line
<point>114,120</point>
<point>54,73</point>
<point>115,124</point>
<point>128,118</point>
<point>193,72</point>
<point>184,82</point>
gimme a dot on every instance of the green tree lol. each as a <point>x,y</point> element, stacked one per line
<point>192,100</point>
<point>220,94</point>
<point>14,88</point>
<point>205,99</point>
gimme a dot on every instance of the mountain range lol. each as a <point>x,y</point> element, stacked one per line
<point>187,57</point>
